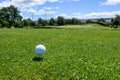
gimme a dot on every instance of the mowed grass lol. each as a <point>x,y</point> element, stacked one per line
<point>72,54</point>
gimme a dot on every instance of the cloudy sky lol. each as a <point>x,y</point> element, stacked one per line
<point>82,9</point>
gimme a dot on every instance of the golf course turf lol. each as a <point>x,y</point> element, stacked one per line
<point>90,53</point>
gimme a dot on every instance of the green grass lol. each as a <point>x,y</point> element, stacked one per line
<point>72,54</point>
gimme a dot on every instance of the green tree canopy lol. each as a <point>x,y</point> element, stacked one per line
<point>39,20</point>
<point>27,22</point>
<point>76,21</point>
<point>89,21</point>
<point>116,21</point>
<point>52,22</point>
<point>10,14</point>
<point>101,20</point>
<point>60,20</point>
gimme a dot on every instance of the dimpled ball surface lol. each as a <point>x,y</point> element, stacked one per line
<point>40,49</point>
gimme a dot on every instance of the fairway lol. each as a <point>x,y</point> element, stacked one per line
<point>71,54</point>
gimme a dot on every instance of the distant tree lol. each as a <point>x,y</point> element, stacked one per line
<point>3,13</point>
<point>68,21</point>
<point>4,23</point>
<point>116,21</point>
<point>101,20</point>
<point>52,22</point>
<point>89,21</point>
<point>76,21</point>
<point>44,23</point>
<point>3,17</point>
<point>9,15</point>
<point>33,23</point>
<point>60,21</point>
<point>27,22</point>
<point>40,21</point>
<point>18,23</point>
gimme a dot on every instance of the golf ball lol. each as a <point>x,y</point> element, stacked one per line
<point>40,49</point>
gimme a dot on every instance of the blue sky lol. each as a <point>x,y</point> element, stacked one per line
<point>81,9</point>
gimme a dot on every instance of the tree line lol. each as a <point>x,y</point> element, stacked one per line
<point>10,17</point>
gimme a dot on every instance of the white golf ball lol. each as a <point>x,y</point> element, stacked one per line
<point>40,49</point>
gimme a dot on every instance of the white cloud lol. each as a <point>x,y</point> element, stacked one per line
<point>74,15</point>
<point>64,15</point>
<point>102,14</point>
<point>48,8</point>
<point>38,12</point>
<point>92,15</point>
<point>31,10</point>
<point>24,3</point>
<point>111,2</point>
<point>27,6</point>
<point>41,12</point>
<point>78,14</point>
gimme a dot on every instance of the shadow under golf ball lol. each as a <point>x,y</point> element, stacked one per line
<point>36,59</point>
